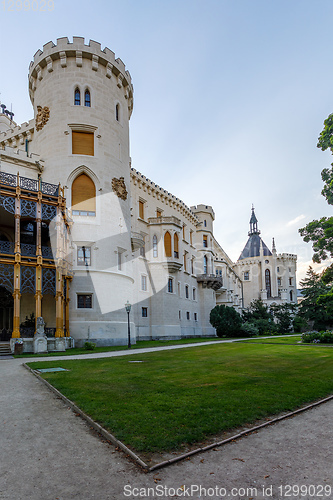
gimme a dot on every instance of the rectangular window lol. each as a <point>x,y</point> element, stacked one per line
<point>158,213</point>
<point>278,269</point>
<point>194,294</point>
<point>246,275</point>
<point>179,289</point>
<point>186,291</point>
<point>290,269</point>
<point>83,143</point>
<point>290,281</point>
<point>119,256</point>
<point>205,223</point>
<point>83,256</point>
<point>180,314</point>
<point>192,265</point>
<point>141,209</point>
<point>205,240</point>
<point>279,281</point>
<point>170,285</point>
<point>84,301</point>
<point>144,312</point>
<point>195,317</point>
<point>185,259</point>
<point>191,237</point>
<point>144,282</point>
<point>184,232</point>
<point>187,315</point>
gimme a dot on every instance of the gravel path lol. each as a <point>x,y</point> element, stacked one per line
<point>47,453</point>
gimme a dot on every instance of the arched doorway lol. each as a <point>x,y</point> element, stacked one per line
<point>6,314</point>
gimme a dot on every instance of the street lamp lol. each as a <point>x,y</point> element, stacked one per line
<point>128,310</point>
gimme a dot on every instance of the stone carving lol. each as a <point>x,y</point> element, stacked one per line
<point>40,327</point>
<point>43,115</point>
<point>119,187</point>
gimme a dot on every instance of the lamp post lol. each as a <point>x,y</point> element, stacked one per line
<point>128,310</point>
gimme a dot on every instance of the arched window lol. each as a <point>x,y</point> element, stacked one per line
<point>155,251</point>
<point>87,98</point>
<point>83,196</point>
<point>117,113</point>
<point>167,244</point>
<point>77,97</point>
<point>205,264</point>
<point>176,246</point>
<point>291,295</point>
<point>268,282</point>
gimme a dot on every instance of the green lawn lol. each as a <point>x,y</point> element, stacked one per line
<point>277,340</point>
<point>141,344</point>
<point>183,396</point>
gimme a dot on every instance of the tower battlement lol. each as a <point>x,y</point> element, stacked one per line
<point>101,60</point>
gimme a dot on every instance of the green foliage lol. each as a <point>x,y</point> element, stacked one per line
<point>313,290</point>
<point>284,315</point>
<point>318,337</point>
<point>257,310</point>
<point>299,323</point>
<point>226,320</point>
<point>89,346</point>
<point>320,232</point>
<point>249,329</point>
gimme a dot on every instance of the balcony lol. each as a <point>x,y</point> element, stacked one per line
<point>12,181</point>
<point>137,241</point>
<point>172,265</point>
<point>165,220</point>
<point>210,281</point>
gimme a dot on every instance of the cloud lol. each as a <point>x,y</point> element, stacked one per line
<point>296,220</point>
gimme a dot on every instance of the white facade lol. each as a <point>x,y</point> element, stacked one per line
<point>139,243</point>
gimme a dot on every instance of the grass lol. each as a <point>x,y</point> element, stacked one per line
<point>142,344</point>
<point>277,340</point>
<point>181,397</point>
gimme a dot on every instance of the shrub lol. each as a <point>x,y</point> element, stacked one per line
<point>226,320</point>
<point>318,337</point>
<point>265,326</point>
<point>89,346</point>
<point>249,329</point>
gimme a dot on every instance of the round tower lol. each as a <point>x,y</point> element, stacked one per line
<point>83,100</point>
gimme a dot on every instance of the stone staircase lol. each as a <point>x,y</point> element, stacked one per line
<point>5,349</point>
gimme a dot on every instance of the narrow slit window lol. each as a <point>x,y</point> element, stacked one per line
<point>117,112</point>
<point>87,100</point>
<point>77,97</point>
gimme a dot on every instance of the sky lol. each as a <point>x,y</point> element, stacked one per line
<point>230,97</point>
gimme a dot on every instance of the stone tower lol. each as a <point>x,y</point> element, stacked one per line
<point>83,100</point>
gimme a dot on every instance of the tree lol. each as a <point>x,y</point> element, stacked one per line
<point>226,320</point>
<point>284,315</point>
<point>259,315</point>
<point>313,290</point>
<point>320,232</point>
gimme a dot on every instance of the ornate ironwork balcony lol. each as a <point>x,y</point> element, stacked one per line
<point>7,247</point>
<point>29,184</point>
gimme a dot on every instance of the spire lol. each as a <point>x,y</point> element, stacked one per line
<point>253,223</point>
<point>273,246</point>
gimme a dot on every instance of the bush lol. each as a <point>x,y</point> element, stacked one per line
<point>265,326</point>
<point>226,320</point>
<point>318,337</point>
<point>89,346</point>
<point>299,324</point>
<point>249,329</point>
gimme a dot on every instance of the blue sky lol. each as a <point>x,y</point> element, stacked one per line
<point>229,99</point>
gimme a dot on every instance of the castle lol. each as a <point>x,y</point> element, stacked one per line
<point>82,233</point>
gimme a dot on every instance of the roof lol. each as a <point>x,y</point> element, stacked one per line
<point>252,247</point>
